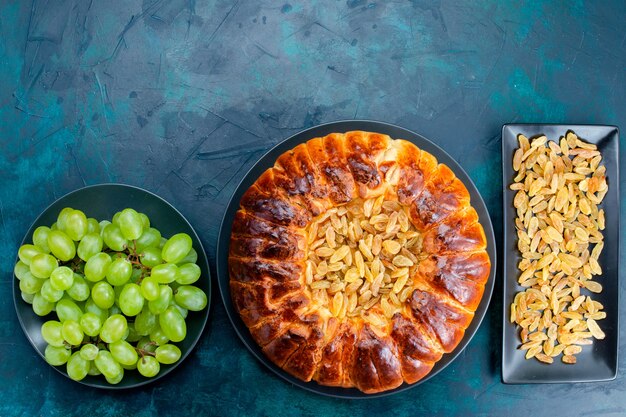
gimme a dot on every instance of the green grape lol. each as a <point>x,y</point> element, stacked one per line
<point>167,354</point>
<point>91,307</point>
<point>93,226</point>
<point>176,248</point>
<point>62,218</point>
<point>93,369</point>
<point>191,258</point>
<point>90,245</point>
<point>119,271</point>
<point>57,355</point>
<point>113,329</point>
<point>40,238</point>
<point>158,336</point>
<point>41,306</point>
<point>62,278</point>
<point>27,297</point>
<point>78,367</point>
<point>103,295</point>
<point>51,333</point>
<point>89,351</point>
<point>150,288</point>
<point>160,304</point>
<point>76,225</point>
<point>50,294</point>
<point>113,237</point>
<point>68,310</point>
<point>79,290</point>
<point>42,265</point>
<point>117,379</point>
<point>72,333</point>
<point>132,336</point>
<point>148,366</point>
<point>146,345</point>
<point>190,297</point>
<point>188,273</point>
<point>123,352</point>
<point>145,220</point>
<point>118,291</point>
<point>136,275</point>
<point>115,309</point>
<point>173,324</point>
<point>164,273</point>
<point>149,237</point>
<point>150,256</point>
<point>171,266</point>
<point>130,300</point>
<point>102,225</point>
<point>90,323</point>
<point>26,253</point>
<point>61,245</point>
<point>145,322</point>
<point>96,267</point>
<point>130,223</point>
<point>107,364</point>
<point>30,284</point>
<point>182,310</point>
<point>20,269</point>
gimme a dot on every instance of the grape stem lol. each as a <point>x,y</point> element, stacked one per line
<point>135,262</point>
<point>143,352</point>
<point>134,258</point>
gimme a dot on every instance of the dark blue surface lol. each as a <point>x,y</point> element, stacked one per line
<point>182,96</point>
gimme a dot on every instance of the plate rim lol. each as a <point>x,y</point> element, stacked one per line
<point>205,317</point>
<point>509,377</point>
<point>222,246</point>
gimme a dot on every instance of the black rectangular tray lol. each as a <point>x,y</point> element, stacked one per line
<point>597,362</point>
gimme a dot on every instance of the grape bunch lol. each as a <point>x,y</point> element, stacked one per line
<point>121,292</point>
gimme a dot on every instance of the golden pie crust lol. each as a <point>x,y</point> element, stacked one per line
<point>276,279</point>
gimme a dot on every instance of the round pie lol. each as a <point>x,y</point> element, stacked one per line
<point>357,261</point>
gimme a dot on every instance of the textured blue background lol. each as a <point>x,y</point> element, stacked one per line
<point>181,96</point>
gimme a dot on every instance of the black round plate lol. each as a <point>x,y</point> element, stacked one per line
<point>102,202</point>
<point>267,161</point>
